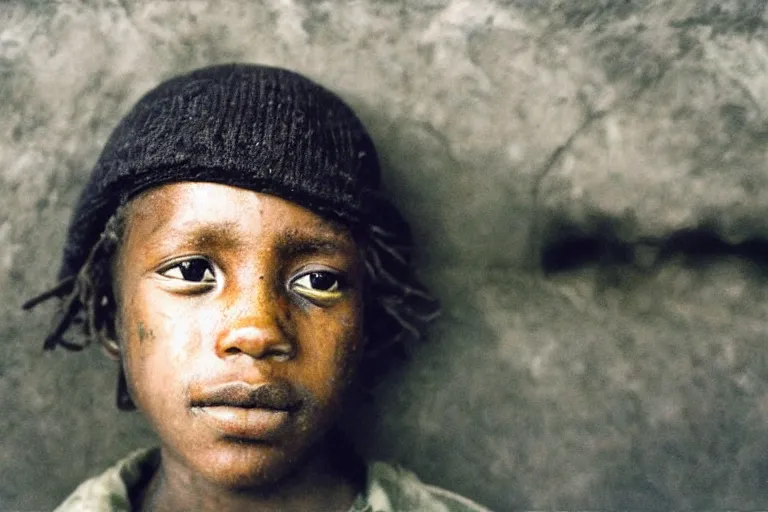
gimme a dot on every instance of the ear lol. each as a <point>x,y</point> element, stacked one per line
<point>108,336</point>
<point>123,396</point>
<point>111,348</point>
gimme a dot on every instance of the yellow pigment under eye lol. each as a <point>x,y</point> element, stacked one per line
<point>321,295</point>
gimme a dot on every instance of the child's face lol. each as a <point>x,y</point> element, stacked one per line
<point>240,324</point>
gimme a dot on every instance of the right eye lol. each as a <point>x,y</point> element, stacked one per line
<point>193,270</point>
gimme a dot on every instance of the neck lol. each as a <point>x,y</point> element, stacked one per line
<point>322,483</point>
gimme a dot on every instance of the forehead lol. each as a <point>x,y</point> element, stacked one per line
<point>188,206</point>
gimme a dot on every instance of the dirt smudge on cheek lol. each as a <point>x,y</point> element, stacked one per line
<point>143,332</point>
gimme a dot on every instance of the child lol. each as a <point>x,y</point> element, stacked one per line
<point>233,252</point>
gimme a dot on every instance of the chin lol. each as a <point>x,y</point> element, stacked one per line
<point>249,466</point>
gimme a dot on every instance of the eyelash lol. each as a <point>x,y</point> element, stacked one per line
<point>189,265</point>
<point>303,284</point>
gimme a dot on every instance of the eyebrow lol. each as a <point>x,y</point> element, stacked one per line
<point>204,236</point>
<point>293,243</point>
<point>289,244</point>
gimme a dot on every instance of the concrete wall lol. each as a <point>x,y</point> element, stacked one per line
<point>588,179</point>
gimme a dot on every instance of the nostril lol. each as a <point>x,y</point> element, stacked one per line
<point>280,356</point>
<point>280,351</point>
<point>255,342</point>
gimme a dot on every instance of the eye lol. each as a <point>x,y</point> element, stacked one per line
<point>321,281</point>
<point>320,286</point>
<point>193,270</point>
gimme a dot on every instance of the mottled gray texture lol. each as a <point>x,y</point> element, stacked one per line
<point>589,182</point>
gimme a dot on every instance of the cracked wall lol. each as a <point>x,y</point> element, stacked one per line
<point>588,181</point>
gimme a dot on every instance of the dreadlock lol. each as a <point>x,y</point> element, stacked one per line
<point>398,307</point>
<point>87,297</point>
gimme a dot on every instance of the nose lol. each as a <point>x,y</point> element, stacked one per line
<point>255,327</point>
<point>256,342</point>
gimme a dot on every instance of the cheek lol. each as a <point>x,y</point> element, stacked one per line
<point>348,354</point>
<point>332,348</point>
<point>157,342</point>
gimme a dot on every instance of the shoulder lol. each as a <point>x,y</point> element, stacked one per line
<point>111,490</point>
<point>392,488</point>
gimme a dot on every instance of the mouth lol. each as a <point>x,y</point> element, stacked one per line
<point>272,396</point>
<point>245,411</point>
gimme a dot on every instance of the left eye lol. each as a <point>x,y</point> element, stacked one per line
<point>322,288</point>
<point>318,281</point>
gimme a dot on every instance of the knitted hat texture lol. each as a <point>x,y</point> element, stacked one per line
<point>256,127</point>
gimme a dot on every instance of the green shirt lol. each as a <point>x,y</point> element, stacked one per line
<point>388,489</point>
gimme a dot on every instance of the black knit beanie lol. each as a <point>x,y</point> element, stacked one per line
<point>254,127</point>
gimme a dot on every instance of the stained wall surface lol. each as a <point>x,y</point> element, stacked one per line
<point>589,184</point>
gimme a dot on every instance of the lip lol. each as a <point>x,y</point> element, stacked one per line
<point>244,423</point>
<point>278,396</point>
<point>245,411</point>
